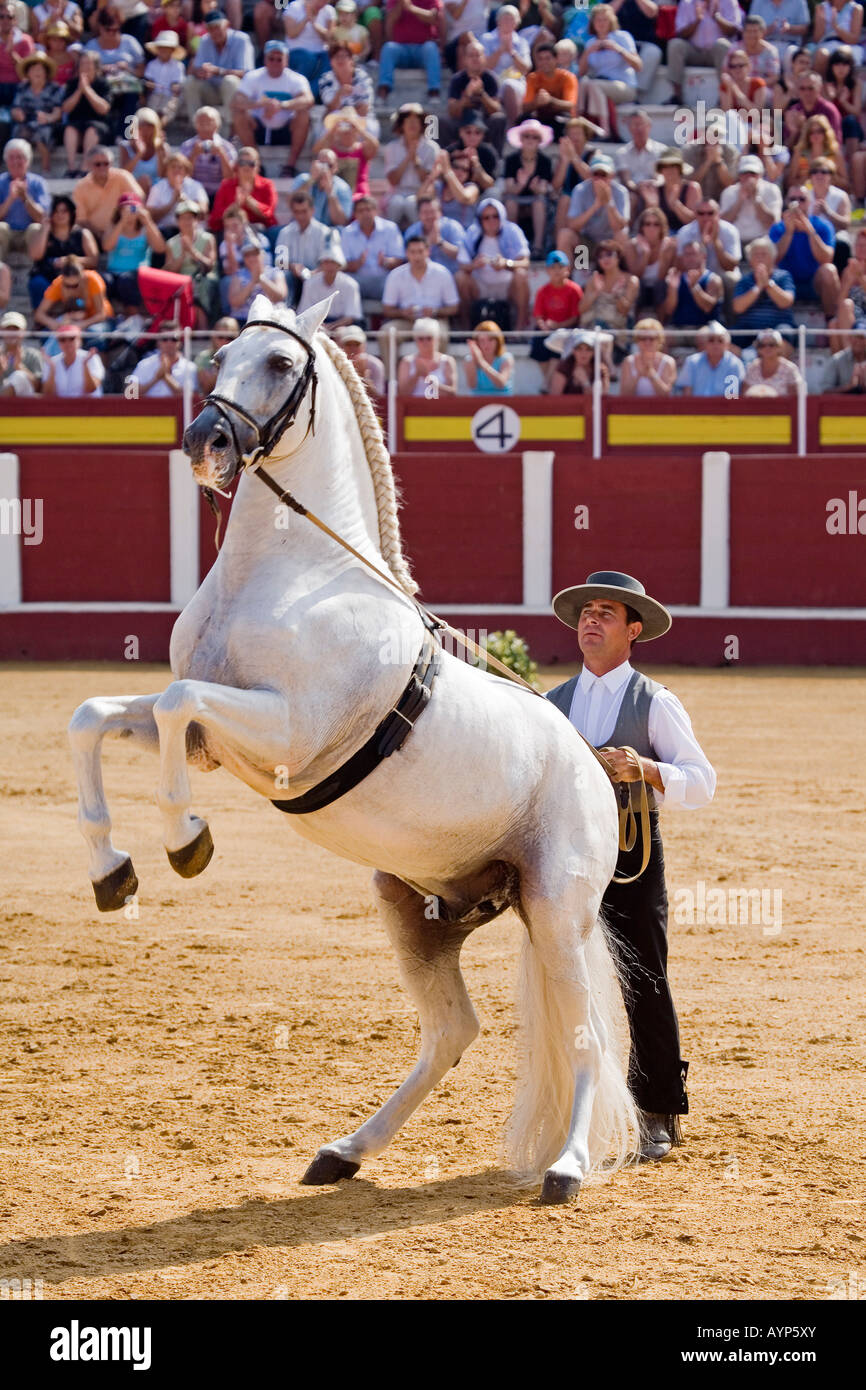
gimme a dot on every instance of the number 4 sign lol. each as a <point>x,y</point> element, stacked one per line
<point>495,429</point>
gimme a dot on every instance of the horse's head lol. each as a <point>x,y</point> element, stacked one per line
<point>265,387</point>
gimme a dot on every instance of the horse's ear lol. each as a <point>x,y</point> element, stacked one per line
<point>261,310</point>
<point>312,319</point>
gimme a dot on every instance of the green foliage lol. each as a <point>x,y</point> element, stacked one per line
<point>513,652</point>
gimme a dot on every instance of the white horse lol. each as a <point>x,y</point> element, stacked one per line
<point>286,660</point>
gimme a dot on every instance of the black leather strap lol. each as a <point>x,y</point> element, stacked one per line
<point>389,735</point>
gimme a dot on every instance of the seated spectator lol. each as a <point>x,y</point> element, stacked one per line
<point>796,62</point>
<point>272,106</point>
<point>443,235</point>
<point>715,371</point>
<point>309,27</point>
<point>573,159</point>
<point>529,181</point>
<point>753,204</point>
<point>852,293</point>
<point>610,293</point>
<point>713,165</point>
<point>15,44</point>
<point>192,251</point>
<point>164,372</point>
<point>36,106</point>
<point>249,188</point>
<point>694,295</point>
<point>599,210</point>
<point>129,242</point>
<point>24,199</point>
<point>810,102</point>
<point>75,370</point>
<point>145,153</point>
<point>353,341</point>
<point>300,243</point>
<point>255,277</point>
<point>225,330</point>
<point>178,186</point>
<point>610,59</point>
<point>20,364</point>
<point>51,10</point>
<point>330,279</point>
<point>331,195</point>
<point>220,61</point>
<point>212,156</point>
<point>420,288</point>
<point>842,88</point>
<point>674,192</point>
<point>838,24</point>
<point>348,33</point>
<point>76,296</point>
<point>474,91</point>
<point>463,20</point>
<point>637,162</point>
<point>373,247</point>
<point>464,172</point>
<point>237,232</point>
<point>827,201</point>
<point>495,261</point>
<point>770,368</point>
<point>804,247</point>
<point>86,105</point>
<point>574,374</point>
<point>649,255</point>
<point>721,239</point>
<point>347,84</point>
<point>165,74</point>
<point>96,195</point>
<point>347,136</point>
<point>408,158</point>
<point>762,56</point>
<point>765,294</point>
<point>639,18</point>
<point>508,57</point>
<point>557,305</point>
<point>786,23</point>
<point>58,38</point>
<point>648,371</point>
<point>412,42</point>
<point>845,373</point>
<point>56,238</point>
<point>170,16</point>
<point>488,368</point>
<point>816,141</point>
<point>551,91</point>
<point>740,89</point>
<point>427,372</point>
<point>703,37</point>
<point>121,60</point>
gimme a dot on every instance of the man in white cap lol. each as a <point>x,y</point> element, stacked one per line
<point>752,204</point>
<point>637,724</point>
<point>330,281</point>
<point>353,341</point>
<point>20,365</point>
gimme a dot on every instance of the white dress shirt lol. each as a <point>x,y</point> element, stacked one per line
<point>689,780</point>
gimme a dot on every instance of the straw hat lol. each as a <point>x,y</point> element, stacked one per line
<point>167,39</point>
<point>347,115</point>
<point>37,56</point>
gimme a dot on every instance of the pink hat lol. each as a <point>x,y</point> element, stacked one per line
<point>67,330</point>
<point>530,127</point>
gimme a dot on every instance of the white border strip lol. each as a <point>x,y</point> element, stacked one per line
<point>11,541</point>
<point>537,527</point>
<point>518,609</point>
<point>183,496</point>
<point>715,530</point>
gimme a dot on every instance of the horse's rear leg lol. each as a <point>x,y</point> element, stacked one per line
<point>428,954</point>
<point>124,716</point>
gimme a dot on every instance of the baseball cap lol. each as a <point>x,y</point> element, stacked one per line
<point>216,17</point>
<point>750,164</point>
<point>351,334</point>
<point>14,320</point>
<point>129,200</point>
<point>345,6</point>
<point>275,46</point>
<point>601,161</point>
<point>472,118</point>
<point>186,206</point>
<point>557,258</point>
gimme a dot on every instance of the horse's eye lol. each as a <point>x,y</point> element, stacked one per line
<point>278,363</point>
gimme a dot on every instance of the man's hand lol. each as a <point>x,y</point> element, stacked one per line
<point>625,766</point>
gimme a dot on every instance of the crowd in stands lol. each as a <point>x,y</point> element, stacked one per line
<point>209,151</point>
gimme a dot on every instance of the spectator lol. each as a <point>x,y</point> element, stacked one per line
<point>763,57</point>
<point>420,288</point>
<point>843,90</point>
<point>598,211</point>
<point>249,188</point>
<point>51,11</point>
<point>129,243</point>
<point>225,330</point>
<point>828,201</point>
<point>715,371</point>
<point>557,305</point>
<point>753,204</point>
<point>765,294</point>
<point>255,277</point>
<point>165,372</point>
<point>573,160</point>
<point>649,255</point>
<point>373,247</point>
<point>640,18</point>
<point>272,106</point>
<point>144,154</point>
<point>443,235</point>
<point>330,279</point>
<point>353,341</point>
<point>810,103</point>
<point>770,368</point>
<point>346,134</point>
<point>488,368</point>
<point>838,24</point>
<point>509,59</point>
<point>804,247</point>
<point>427,372</point>
<point>171,16</point>
<point>75,296</point>
<point>347,84</point>
<point>473,91</point>
<point>797,62</point>
<point>846,371</point>
<point>24,199</point>
<point>787,21</point>
<point>611,292</point>
<point>674,193</point>
<point>528,181</point>
<point>463,20</point>
<point>713,164</point>
<point>85,106</point>
<point>703,37</point>
<point>414,33</point>
<point>75,370</point>
<point>309,26</point>
<point>20,365</point>
<point>852,294</point>
<point>192,251</point>
<point>637,162</point>
<point>816,141</point>
<point>648,371</point>
<point>610,59</point>
<point>348,33</point>
<point>165,74</point>
<point>551,91</point>
<point>237,232</point>
<point>722,240</point>
<point>36,106</point>
<point>121,59</point>
<point>178,186</point>
<point>409,158</point>
<point>738,90</point>
<point>15,44</point>
<point>495,261</point>
<point>212,156</point>
<point>58,37</point>
<point>300,243</point>
<point>332,196</point>
<point>464,172</point>
<point>574,374</point>
<point>98,193</point>
<point>221,60</point>
<point>694,295</point>
<point>56,238</point>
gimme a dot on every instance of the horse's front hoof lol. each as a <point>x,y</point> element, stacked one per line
<point>328,1168</point>
<point>112,891</point>
<point>558,1188</point>
<point>194,858</point>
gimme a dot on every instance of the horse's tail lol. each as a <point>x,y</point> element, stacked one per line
<point>549,1033</point>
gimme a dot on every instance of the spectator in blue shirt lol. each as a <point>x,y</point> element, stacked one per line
<point>804,247</point>
<point>444,236</point>
<point>714,372</point>
<point>373,247</point>
<point>121,59</point>
<point>331,195</point>
<point>765,294</point>
<point>222,58</point>
<point>24,198</point>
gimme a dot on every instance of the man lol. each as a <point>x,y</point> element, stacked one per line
<point>164,371</point>
<point>753,204</point>
<point>804,247</point>
<point>810,103</point>
<point>372,246</point>
<point>353,341</point>
<point>24,199</point>
<point>420,289</point>
<point>98,193</point>
<point>786,22</point>
<point>551,91</point>
<point>714,165</point>
<point>473,90</point>
<point>272,106</point>
<point>225,330</point>
<point>846,370</point>
<point>765,294</point>
<point>221,60</point>
<point>20,365</point>
<point>330,281</point>
<point>415,34</point>
<point>444,236</point>
<point>638,726</point>
<point>722,240</point>
<point>76,371</point>
<point>473,148</point>
<point>598,211</point>
<point>301,243</point>
<point>635,162</point>
<point>331,195</point>
<point>714,372</point>
<point>76,296</point>
<point>704,30</point>
<point>693,294</point>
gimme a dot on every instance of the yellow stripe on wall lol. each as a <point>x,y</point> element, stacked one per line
<point>418,429</point>
<point>129,430</point>
<point>842,429</point>
<point>704,430</point>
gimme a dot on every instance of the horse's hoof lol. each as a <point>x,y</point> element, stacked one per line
<point>328,1168</point>
<point>112,891</point>
<point>194,858</point>
<point>557,1189</point>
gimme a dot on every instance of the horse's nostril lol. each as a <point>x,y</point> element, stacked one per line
<point>219,440</point>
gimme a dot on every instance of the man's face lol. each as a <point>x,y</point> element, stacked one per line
<point>428,213</point>
<point>691,257</point>
<point>418,256</point>
<point>748,185</point>
<point>490,223</point>
<point>715,346</point>
<point>205,126</point>
<point>71,286</point>
<point>858,347</point>
<point>169,347</point>
<point>807,92</point>
<point>275,63</point>
<point>471,135</point>
<point>546,63</point>
<point>353,349</point>
<point>69,345</point>
<point>366,214</point>
<point>16,163</point>
<point>604,633</point>
<point>99,167</point>
<point>473,59</point>
<point>302,213</point>
<point>341,64</point>
<point>752,35</point>
<point>12,338</point>
<point>639,128</point>
<point>219,32</point>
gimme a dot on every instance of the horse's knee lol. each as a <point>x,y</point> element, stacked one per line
<point>177,699</point>
<point>85,724</point>
<point>391,889</point>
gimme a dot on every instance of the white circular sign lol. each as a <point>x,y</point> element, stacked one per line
<point>496,428</point>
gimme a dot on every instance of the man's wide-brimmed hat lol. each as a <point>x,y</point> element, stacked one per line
<point>622,587</point>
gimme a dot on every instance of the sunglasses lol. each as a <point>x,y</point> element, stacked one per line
<point>530,136</point>
<point>490,217</point>
<point>247,164</point>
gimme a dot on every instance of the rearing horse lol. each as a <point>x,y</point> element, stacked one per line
<point>287,659</point>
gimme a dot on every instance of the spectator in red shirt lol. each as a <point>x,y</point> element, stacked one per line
<point>250,190</point>
<point>415,34</point>
<point>14,45</point>
<point>170,16</point>
<point>557,305</point>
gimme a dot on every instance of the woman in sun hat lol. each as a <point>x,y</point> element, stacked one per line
<point>36,105</point>
<point>528,180</point>
<point>57,39</point>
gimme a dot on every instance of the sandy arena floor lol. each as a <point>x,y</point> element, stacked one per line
<point>166,1080</point>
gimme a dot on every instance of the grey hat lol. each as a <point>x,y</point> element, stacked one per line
<point>615,585</point>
